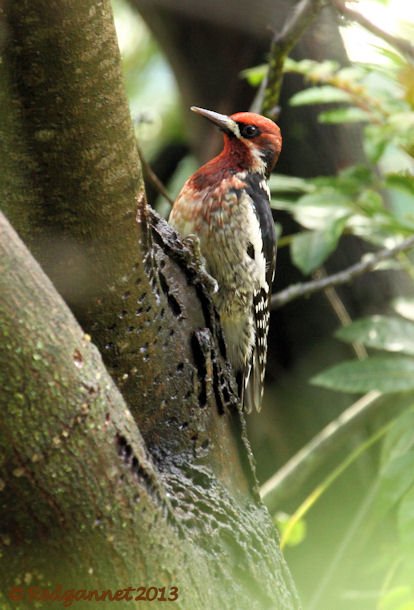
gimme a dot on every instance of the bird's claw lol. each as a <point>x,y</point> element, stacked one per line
<point>193,244</point>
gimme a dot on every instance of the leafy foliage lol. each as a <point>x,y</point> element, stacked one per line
<point>378,207</point>
<point>385,374</point>
<point>374,202</point>
<point>381,332</point>
<point>309,249</point>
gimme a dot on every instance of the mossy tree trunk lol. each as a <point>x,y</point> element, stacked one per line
<point>127,467</point>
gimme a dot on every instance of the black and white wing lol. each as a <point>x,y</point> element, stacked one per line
<point>255,373</point>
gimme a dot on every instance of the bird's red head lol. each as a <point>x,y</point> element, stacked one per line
<point>251,141</point>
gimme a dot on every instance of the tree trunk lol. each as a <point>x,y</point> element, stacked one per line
<point>77,484</point>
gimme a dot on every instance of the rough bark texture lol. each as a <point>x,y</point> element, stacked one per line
<point>67,144</point>
<point>111,509</point>
<point>77,483</point>
<point>82,504</point>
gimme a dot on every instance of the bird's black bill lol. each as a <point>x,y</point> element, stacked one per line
<point>222,121</point>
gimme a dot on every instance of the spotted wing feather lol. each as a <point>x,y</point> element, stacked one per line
<point>254,375</point>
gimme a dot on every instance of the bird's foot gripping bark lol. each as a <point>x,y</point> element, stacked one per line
<point>193,244</point>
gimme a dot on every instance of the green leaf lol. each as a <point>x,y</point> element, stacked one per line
<point>279,183</point>
<point>402,121</point>
<point>311,248</point>
<point>278,230</point>
<point>350,74</point>
<point>400,438</point>
<point>400,181</point>
<point>405,520</point>
<point>396,478</point>
<point>386,374</point>
<point>297,534</point>
<point>255,75</point>
<point>344,115</point>
<point>381,332</point>
<point>317,216</point>
<point>328,197</point>
<point>397,598</point>
<point>283,204</point>
<point>319,95</point>
<point>375,142</point>
<point>401,197</point>
<point>371,202</point>
<point>390,54</point>
<point>356,177</point>
<point>313,70</point>
<point>348,182</point>
<point>319,210</point>
<point>404,306</point>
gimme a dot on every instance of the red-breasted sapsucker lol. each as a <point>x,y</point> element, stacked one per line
<point>226,205</point>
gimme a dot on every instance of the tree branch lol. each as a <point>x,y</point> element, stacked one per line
<point>74,175</point>
<point>287,481</point>
<point>71,451</point>
<point>304,13</point>
<point>153,178</point>
<point>367,263</point>
<point>341,312</point>
<point>402,45</point>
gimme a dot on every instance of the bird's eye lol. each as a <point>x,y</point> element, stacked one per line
<point>249,131</point>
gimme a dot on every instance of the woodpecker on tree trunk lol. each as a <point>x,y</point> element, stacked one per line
<point>226,204</point>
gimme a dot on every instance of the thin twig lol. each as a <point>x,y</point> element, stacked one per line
<point>341,312</point>
<point>322,487</point>
<point>152,177</point>
<point>288,480</point>
<point>282,43</point>
<point>402,45</point>
<point>267,98</point>
<point>367,263</point>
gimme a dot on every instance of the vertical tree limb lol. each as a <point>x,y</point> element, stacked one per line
<point>71,451</point>
<point>282,44</point>
<point>71,185</point>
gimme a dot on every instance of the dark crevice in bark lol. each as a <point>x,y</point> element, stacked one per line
<point>198,346</point>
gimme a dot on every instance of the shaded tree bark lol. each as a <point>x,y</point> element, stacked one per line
<point>76,479</point>
<point>73,152</point>
<point>178,504</point>
<point>101,515</point>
